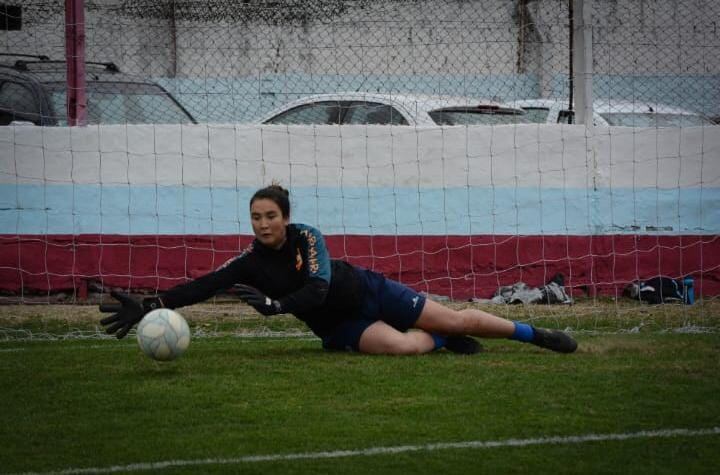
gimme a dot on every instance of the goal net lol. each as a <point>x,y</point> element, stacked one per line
<point>462,148</point>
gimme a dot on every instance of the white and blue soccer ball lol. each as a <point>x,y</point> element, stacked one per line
<point>163,334</point>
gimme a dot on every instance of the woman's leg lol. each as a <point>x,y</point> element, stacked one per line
<point>381,338</point>
<point>438,319</point>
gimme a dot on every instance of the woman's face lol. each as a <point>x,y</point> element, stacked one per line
<point>268,223</point>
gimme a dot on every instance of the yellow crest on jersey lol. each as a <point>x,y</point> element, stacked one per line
<point>298,260</point>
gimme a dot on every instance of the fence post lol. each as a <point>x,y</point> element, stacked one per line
<point>582,61</point>
<point>75,57</point>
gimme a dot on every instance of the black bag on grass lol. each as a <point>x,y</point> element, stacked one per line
<point>661,289</point>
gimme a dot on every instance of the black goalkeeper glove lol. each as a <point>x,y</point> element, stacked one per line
<point>258,300</point>
<point>127,313</point>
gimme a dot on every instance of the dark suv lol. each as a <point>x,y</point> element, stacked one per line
<point>33,90</point>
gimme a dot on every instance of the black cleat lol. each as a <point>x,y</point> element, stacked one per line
<point>463,345</point>
<point>554,340</point>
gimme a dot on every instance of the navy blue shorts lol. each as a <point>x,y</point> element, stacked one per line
<point>385,299</point>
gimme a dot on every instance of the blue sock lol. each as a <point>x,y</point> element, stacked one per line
<point>439,341</point>
<point>523,332</point>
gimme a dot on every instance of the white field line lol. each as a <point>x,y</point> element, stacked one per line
<point>473,444</point>
<point>65,347</point>
<point>109,345</point>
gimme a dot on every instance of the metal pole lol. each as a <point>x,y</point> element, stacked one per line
<point>583,60</point>
<point>75,58</point>
<point>571,56</point>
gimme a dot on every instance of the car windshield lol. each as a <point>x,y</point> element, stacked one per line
<point>123,103</point>
<point>478,116</point>
<point>632,119</point>
<point>537,115</point>
<point>340,112</point>
<point>317,113</point>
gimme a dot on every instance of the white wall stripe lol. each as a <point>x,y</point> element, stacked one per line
<point>475,444</point>
<point>169,155</point>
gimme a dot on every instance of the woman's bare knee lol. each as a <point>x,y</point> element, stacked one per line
<point>381,338</point>
<point>403,346</point>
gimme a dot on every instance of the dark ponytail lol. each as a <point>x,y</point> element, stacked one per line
<point>276,193</point>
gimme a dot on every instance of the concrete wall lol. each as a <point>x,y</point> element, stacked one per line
<point>452,210</point>
<point>529,180</point>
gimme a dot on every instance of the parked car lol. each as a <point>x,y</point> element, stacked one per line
<point>618,113</point>
<point>33,90</point>
<point>364,108</point>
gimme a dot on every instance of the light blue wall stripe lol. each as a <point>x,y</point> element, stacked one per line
<point>80,209</point>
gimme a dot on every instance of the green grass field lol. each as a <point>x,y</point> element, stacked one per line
<point>247,404</point>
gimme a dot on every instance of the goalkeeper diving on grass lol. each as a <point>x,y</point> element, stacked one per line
<point>287,269</point>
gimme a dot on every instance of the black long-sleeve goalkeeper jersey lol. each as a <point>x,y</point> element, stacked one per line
<point>300,275</point>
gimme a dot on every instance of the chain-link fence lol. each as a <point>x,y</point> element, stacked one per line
<point>236,61</point>
<point>658,53</point>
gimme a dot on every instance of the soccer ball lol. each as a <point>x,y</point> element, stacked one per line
<point>163,334</point>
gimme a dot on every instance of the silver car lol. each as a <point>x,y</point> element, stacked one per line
<point>616,113</point>
<point>365,108</point>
